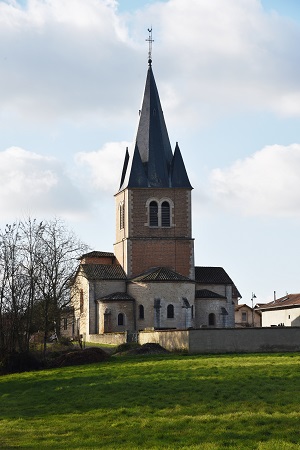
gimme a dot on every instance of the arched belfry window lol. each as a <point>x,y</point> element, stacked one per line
<point>170,312</point>
<point>121,215</point>
<point>153,214</point>
<point>165,214</point>
<point>159,212</point>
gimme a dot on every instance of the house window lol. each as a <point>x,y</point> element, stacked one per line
<point>244,316</point>
<point>211,320</point>
<point>141,312</point>
<point>170,312</point>
<point>120,319</point>
<point>165,214</point>
<point>153,214</point>
<point>65,323</point>
<point>121,215</point>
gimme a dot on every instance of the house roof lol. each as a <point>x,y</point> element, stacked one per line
<point>206,293</point>
<point>244,305</point>
<point>160,274</point>
<point>288,301</point>
<point>103,271</point>
<point>97,254</point>
<point>117,296</point>
<point>153,163</point>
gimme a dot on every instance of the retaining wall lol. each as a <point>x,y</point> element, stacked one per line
<point>228,340</point>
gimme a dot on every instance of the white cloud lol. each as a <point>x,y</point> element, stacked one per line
<point>35,184</point>
<point>80,59</point>
<point>265,184</point>
<point>104,166</point>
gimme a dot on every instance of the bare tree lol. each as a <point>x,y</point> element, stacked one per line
<point>37,263</point>
<point>58,263</point>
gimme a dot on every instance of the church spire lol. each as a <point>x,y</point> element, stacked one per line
<point>157,166</point>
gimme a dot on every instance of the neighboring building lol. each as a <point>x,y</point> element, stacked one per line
<point>150,281</point>
<point>282,312</point>
<point>245,316</point>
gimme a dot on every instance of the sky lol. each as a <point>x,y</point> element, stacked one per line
<point>72,76</point>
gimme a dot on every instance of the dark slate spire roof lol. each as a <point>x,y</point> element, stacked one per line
<point>179,177</point>
<point>153,163</point>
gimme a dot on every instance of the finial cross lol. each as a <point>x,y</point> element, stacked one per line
<point>150,40</point>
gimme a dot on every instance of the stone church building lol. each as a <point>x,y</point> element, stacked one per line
<point>151,281</point>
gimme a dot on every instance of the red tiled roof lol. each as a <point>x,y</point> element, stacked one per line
<point>206,293</point>
<point>97,254</point>
<point>103,271</point>
<point>117,296</point>
<point>288,301</point>
<point>160,274</point>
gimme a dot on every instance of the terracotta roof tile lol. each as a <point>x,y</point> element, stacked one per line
<point>103,271</point>
<point>160,274</point>
<point>289,300</point>
<point>215,275</point>
<point>117,296</point>
<point>97,254</point>
<point>206,293</point>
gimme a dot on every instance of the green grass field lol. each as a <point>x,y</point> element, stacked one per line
<point>155,402</point>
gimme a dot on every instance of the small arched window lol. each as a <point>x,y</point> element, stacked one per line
<point>141,312</point>
<point>153,214</point>
<point>170,312</point>
<point>165,214</point>
<point>211,320</point>
<point>120,319</point>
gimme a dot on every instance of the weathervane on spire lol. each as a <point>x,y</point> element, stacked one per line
<point>150,40</point>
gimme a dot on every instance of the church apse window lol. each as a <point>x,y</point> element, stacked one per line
<point>211,320</point>
<point>153,214</point>
<point>141,312</point>
<point>170,311</point>
<point>165,214</point>
<point>120,319</point>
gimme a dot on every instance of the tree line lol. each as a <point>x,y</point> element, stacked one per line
<point>38,261</point>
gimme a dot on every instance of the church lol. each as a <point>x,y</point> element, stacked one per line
<point>150,281</point>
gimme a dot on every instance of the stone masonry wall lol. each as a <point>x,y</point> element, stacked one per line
<point>230,340</point>
<point>167,293</point>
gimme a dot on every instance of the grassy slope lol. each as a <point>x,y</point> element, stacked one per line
<point>207,402</point>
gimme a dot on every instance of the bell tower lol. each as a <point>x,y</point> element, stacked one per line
<point>153,203</point>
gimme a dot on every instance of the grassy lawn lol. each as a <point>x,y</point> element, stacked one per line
<point>155,402</point>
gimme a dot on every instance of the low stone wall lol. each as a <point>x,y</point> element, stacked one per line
<point>228,340</point>
<point>171,340</point>
<point>107,338</point>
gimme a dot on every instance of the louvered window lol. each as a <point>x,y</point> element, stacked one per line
<point>165,214</point>
<point>153,219</point>
<point>122,214</point>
